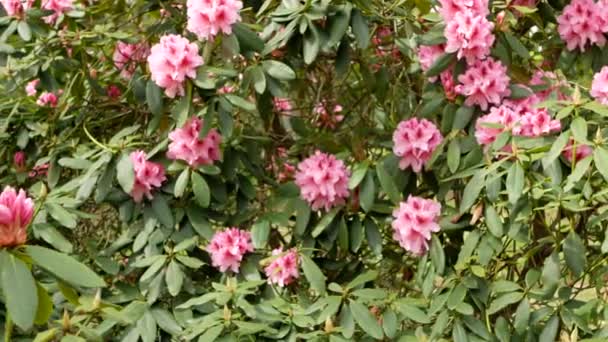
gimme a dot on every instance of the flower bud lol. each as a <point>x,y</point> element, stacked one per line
<point>19,160</point>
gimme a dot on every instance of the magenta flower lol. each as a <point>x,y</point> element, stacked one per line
<point>483,83</point>
<point>127,56</point>
<point>228,247</point>
<point>16,211</point>
<point>414,142</point>
<point>282,104</point>
<point>57,6</point>
<point>30,88</point>
<point>415,220</point>
<point>207,18</point>
<point>47,99</point>
<point>449,86</point>
<point>450,8</point>
<point>148,175</point>
<point>113,91</point>
<point>16,8</point>
<point>187,146</point>
<point>328,116</point>
<point>536,122</point>
<point>489,126</point>
<point>599,87</point>
<point>469,35</point>
<point>581,151</point>
<point>284,269</point>
<point>323,181</point>
<point>19,160</point>
<point>173,60</point>
<point>581,23</point>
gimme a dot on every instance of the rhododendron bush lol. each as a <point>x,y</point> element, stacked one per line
<point>227,170</point>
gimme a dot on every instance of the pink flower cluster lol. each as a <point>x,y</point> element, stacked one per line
<point>48,99</point>
<point>16,211</point>
<point>450,8</point>
<point>16,8</point>
<point>485,128</point>
<point>583,22</point>
<point>57,6</point>
<point>414,142</point>
<point>187,146</point>
<point>323,181</point>
<point>280,166</point>
<point>469,35</point>
<point>283,270</point>
<point>228,247</point>
<point>282,105</point>
<point>173,60</point>
<point>126,57</point>
<point>549,80</point>
<point>148,175</point>
<point>415,220</point>
<point>580,151</point>
<point>599,86</point>
<point>327,116</point>
<point>207,18</point>
<point>30,87</point>
<point>427,56</point>
<point>485,82</point>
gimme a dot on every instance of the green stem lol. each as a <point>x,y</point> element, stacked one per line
<point>8,328</point>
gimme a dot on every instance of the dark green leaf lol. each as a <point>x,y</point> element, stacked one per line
<point>313,274</point>
<point>201,190</point>
<point>515,182</point>
<point>259,234</point>
<point>154,97</point>
<point>125,173</point>
<point>64,267</point>
<point>163,211</point>
<point>278,70</point>
<point>549,332</point>
<point>366,320</point>
<point>360,28</point>
<point>503,301</point>
<point>600,157</point>
<point>575,253</point>
<point>19,288</point>
<point>368,192</point>
<point>181,183</point>
<point>441,64</point>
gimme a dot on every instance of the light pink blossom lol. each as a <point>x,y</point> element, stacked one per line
<point>173,60</point>
<point>414,142</point>
<point>599,86</point>
<point>127,56</point>
<point>428,55</point>
<point>57,6</point>
<point>489,126</point>
<point>327,116</point>
<point>283,270</point>
<point>148,176</point>
<point>582,151</point>
<point>469,36</point>
<point>450,8</point>
<point>228,247</point>
<point>282,104</point>
<point>207,18</point>
<point>449,86</point>
<point>16,211</point>
<point>323,181</point>
<point>187,146</point>
<point>536,122</point>
<point>415,220</point>
<point>485,82</point>
<point>550,81</point>
<point>30,88</point>
<point>16,8</point>
<point>581,23</point>
<point>47,99</point>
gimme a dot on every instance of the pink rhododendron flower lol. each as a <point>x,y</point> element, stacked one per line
<point>449,86</point>
<point>415,220</point>
<point>173,60</point>
<point>228,247</point>
<point>226,89</point>
<point>486,129</point>
<point>323,181</point>
<point>39,170</point>
<point>16,211</point>
<point>599,87</point>
<point>207,18</point>
<point>483,83</point>
<point>126,57</point>
<point>549,80</point>
<point>581,23</point>
<point>47,99</point>
<point>582,151</point>
<point>450,8</point>
<point>16,8</point>
<point>414,142</point>
<point>536,122</point>
<point>282,104</point>
<point>427,56</point>
<point>284,269</point>
<point>383,33</point>
<point>30,88</point>
<point>19,160</point>
<point>187,146</point>
<point>57,6</point>
<point>113,91</point>
<point>469,35</point>
<point>148,175</point>
<point>328,118</point>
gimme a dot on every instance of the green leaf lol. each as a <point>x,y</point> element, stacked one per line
<point>278,70</point>
<point>368,193</point>
<point>414,313</point>
<point>19,288</point>
<point>517,46</point>
<point>259,234</point>
<point>181,183</point>
<point>64,267</point>
<point>248,40</point>
<point>441,64</point>
<point>549,332</point>
<point>441,323</point>
<point>503,301</point>
<point>125,173</point>
<point>313,274</point>
<point>356,235</point>
<point>154,98</point>
<point>579,129</point>
<point>600,157</point>
<point>389,323</point>
<point>575,252</point>
<point>463,117</point>
<point>457,296</point>
<point>556,149</point>
<point>64,217</point>
<point>437,255</point>
<point>522,316</point>
<point>45,306</point>
<point>165,321</point>
<point>359,172</point>
<point>515,182</point>
<point>388,184</point>
<point>453,155</point>
<point>163,211</point>
<point>174,277</point>
<point>211,334</point>
<point>241,102</point>
<point>311,44</point>
<point>366,320</point>
<point>259,79</point>
<point>551,273</point>
<point>472,190</point>
<point>579,171</point>
<point>458,332</point>
<point>493,221</point>
<point>338,24</point>
<point>202,194</point>
<point>597,108</point>
<point>374,237</point>
<point>360,28</point>
<point>23,28</point>
<point>181,109</point>
<point>302,217</point>
<point>362,279</point>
